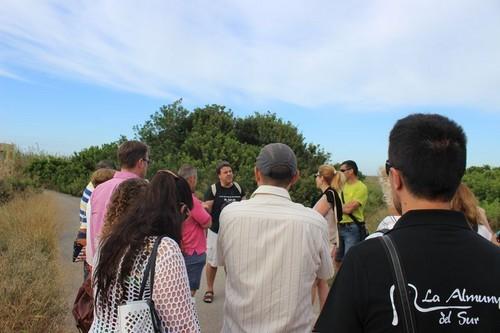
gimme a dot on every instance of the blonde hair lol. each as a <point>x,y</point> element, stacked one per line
<point>101,175</point>
<point>125,196</point>
<point>465,201</point>
<point>385,185</point>
<point>335,179</point>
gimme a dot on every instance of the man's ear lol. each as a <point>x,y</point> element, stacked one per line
<point>258,176</point>
<point>396,179</point>
<point>294,179</point>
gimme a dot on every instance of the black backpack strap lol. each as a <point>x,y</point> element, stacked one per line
<point>149,272</point>
<point>333,198</point>
<point>354,219</point>
<point>401,284</point>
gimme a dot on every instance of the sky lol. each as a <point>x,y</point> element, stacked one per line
<point>80,73</point>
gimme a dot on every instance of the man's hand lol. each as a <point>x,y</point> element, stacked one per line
<point>208,205</point>
<point>334,250</point>
<point>350,207</point>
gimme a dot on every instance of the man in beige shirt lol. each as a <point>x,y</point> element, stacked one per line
<point>273,250</point>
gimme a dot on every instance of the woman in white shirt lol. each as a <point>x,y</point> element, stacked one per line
<point>123,255</point>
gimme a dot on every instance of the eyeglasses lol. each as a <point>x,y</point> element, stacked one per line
<point>146,160</point>
<point>344,170</point>
<point>388,166</point>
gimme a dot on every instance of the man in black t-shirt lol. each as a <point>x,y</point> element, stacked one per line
<point>452,274</point>
<point>218,196</point>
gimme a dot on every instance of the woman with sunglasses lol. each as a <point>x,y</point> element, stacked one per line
<point>330,182</point>
<point>123,255</point>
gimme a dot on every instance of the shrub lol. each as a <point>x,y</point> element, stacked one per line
<point>6,192</point>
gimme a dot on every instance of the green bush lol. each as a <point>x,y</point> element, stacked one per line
<point>484,181</point>
<point>6,191</point>
<point>12,186</point>
<point>70,174</point>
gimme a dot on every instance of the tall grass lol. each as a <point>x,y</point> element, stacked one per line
<point>376,208</point>
<point>31,299</point>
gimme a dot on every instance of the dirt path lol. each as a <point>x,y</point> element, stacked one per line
<point>210,315</point>
<point>68,222</point>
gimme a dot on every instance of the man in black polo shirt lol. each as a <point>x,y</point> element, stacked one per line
<point>217,196</point>
<point>452,273</point>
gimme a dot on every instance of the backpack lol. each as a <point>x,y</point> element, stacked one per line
<point>214,188</point>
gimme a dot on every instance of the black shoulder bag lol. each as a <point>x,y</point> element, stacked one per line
<point>401,284</point>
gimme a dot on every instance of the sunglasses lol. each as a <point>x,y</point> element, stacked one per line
<point>344,170</point>
<point>148,161</point>
<point>388,166</point>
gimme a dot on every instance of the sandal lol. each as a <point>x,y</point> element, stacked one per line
<point>208,297</point>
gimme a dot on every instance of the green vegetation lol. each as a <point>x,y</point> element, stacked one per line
<point>13,178</point>
<point>201,137</point>
<point>204,136</point>
<point>376,208</point>
<point>70,174</point>
<point>485,183</point>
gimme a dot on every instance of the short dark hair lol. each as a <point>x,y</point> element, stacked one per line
<point>279,175</point>
<point>130,152</point>
<point>430,151</point>
<point>352,165</point>
<point>221,165</point>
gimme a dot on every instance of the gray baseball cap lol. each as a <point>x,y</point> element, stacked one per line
<point>277,160</point>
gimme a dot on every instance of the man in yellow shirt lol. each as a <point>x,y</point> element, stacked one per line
<point>354,196</point>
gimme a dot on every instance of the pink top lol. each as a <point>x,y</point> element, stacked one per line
<point>193,229</point>
<point>98,205</point>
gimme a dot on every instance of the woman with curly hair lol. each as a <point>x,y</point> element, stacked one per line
<point>124,252</point>
<point>124,197</point>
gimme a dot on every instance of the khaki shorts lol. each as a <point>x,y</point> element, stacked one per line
<point>212,248</point>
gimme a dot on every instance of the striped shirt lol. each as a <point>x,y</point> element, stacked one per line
<point>273,250</point>
<point>87,192</point>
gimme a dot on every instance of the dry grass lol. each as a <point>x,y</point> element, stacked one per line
<point>31,299</point>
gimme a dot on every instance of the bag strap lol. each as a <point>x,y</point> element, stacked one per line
<point>354,219</point>
<point>238,187</point>
<point>149,272</point>
<point>331,197</point>
<point>392,255</point>
<point>213,187</point>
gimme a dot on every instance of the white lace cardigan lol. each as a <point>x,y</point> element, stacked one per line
<point>171,294</point>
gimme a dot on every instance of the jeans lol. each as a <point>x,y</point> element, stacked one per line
<point>349,235</point>
<point>194,267</point>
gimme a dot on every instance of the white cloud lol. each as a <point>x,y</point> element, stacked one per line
<point>370,54</point>
<point>10,75</point>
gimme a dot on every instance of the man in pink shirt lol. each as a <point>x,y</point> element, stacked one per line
<point>133,157</point>
<point>194,240</point>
